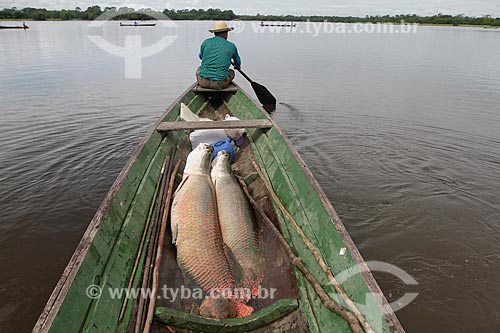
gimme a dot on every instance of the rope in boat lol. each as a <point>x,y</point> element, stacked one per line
<point>142,302</point>
<point>347,300</point>
<point>143,239</point>
<point>297,262</point>
<point>159,253</point>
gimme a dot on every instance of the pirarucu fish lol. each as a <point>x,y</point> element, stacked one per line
<point>196,233</point>
<point>239,230</point>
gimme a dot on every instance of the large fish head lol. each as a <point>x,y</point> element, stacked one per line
<point>221,165</point>
<point>198,161</point>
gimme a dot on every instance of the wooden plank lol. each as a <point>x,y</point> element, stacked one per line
<point>229,89</point>
<point>196,125</point>
<point>257,320</point>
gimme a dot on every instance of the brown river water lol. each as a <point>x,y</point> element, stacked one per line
<point>402,131</point>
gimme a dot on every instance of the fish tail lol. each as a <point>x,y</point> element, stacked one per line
<point>256,283</point>
<point>242,310</point>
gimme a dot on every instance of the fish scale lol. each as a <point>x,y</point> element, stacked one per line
<point>196,232</point>
<point>200,248</point>
<point>239,231</point>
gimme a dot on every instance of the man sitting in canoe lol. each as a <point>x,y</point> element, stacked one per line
<point>216,54</point>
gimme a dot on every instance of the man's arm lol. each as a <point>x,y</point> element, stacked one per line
<point>200,55</point>
<point>236,58</point>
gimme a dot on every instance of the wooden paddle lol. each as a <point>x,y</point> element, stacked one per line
<point>263,94</point>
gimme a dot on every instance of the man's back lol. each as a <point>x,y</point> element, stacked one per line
<point>216,54</point>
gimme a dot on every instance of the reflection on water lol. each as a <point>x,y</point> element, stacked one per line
<point>402,132</point>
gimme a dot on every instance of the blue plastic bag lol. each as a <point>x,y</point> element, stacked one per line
<point>223,145</point>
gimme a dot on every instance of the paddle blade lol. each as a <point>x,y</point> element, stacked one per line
<point>264,95</point>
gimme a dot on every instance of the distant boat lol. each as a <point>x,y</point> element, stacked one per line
<point>287,25</point>
<point>137,24</point>
<point>24,26</point>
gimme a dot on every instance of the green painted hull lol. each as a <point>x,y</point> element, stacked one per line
<point>108,249</point>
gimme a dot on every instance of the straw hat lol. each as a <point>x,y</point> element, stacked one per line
<point>221,26</point>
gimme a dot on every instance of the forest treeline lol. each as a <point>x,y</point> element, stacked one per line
<point>124,13</point>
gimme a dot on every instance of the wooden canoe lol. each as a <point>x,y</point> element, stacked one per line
<point>137,25</point>
<point>14,27</point>
<point>113,252</point>
<point>286,25</point>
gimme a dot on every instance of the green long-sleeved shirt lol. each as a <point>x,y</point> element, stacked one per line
<point>216,54</point>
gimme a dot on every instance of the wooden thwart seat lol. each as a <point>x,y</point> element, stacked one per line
<point>196,125</point>
<point>229,89</point>
<point>264,317</point>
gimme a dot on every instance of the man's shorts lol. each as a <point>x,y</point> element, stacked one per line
<point>214,84</point>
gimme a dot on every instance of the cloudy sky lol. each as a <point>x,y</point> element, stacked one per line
<point>328,7</point>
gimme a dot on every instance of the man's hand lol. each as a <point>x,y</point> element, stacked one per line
<point>235,66</point>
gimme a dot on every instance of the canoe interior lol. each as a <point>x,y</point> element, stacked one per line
<point>278,266</point>
<point>109,247</point>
